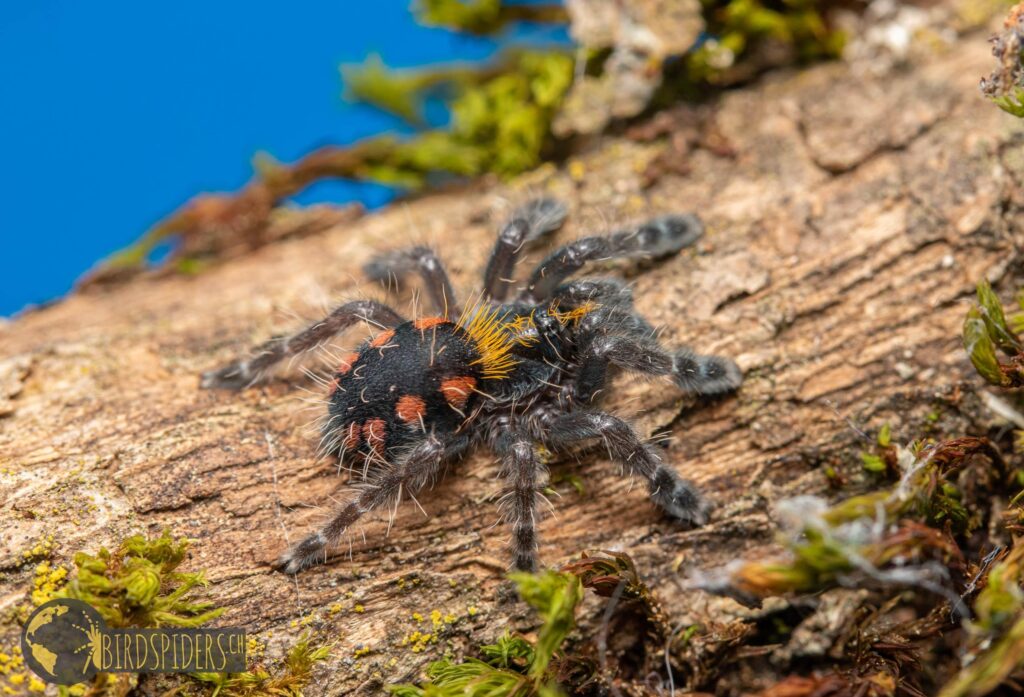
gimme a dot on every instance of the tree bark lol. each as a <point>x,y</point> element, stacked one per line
<point>843,243</point>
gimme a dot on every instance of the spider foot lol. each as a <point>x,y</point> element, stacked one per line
<point>232,376</point>
<point>668,234</point>
<point>680,499</point>
<point>705,375</point>
<point>311,551</point>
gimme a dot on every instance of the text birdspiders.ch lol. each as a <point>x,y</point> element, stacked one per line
<point>509,374</point>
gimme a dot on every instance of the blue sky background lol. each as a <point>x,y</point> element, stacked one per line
<point>112,114</point>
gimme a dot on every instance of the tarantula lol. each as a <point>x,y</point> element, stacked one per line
<point>511,375</point>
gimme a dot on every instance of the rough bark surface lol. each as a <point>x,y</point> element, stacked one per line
<point>843,242</point>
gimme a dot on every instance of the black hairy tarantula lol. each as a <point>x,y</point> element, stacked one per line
<point>511,374</point>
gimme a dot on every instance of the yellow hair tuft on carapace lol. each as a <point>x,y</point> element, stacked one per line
<point>573,315</point>
<point>490,333</point>
<point>523,329</point>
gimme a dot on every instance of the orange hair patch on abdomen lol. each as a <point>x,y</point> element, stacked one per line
<point>383,338</point>
<point>411,409</point>
<point>351,441</point>
<point>428,322</point>
<point>347,361</point>
<point>374,431</point>
<point>457,390</point>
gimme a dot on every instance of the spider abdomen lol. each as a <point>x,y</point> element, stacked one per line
<point>420,377</point>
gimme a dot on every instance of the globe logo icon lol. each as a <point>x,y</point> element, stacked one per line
<point>61,641</point>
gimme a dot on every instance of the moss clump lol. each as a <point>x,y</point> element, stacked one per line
<point>512,667</point>
<point>138,584</point>
<point>483,17</point>
<point>501,116</point>
<point>883,460</point>
<point>997,645</point>
<point>986,334</point>
<point>285,680</point>
<point>736,28</point>
<point>864,535</point>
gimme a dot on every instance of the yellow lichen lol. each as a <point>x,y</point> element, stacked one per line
<point>254,648</point>
<point>417,641</point>
<point>47,582</point>
<point>12,671</point>
<point>41,550</point>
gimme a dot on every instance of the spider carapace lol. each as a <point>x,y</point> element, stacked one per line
<point>512,375</point>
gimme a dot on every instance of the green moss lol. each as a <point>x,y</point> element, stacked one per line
<point>883,461</point>
<point>986,333</point>
<point>512,667</point>
<point>402,92</point>
<point>736,27</point>
<point>823,549</point>
<point>483,16</point>
<point>873,463</point>
<point>509,652</point>
<point>997,630</point>
<point>286,680</point>
<point>138,584</point>
<point>554,596</point>
<point>573,480</point>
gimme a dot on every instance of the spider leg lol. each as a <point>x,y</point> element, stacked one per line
<point>394,266</point>
<point>520,469</point>
<point>667,489</point>
<point>419,467</point>
<point>527,223</point>
<point>612,310</point>
<point>243,373</point>
<point>699,375</point>
<point>657,237</point>
<point>707,376</point>
<point>602,291</point>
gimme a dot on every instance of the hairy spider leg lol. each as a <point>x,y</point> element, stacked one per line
<point>244,373</point>
<point>420,466</point>
<point>692,373</point>
<point>527,223</point>
<point>521,471</point>
<point>657,237</point>
<point>393,267</point>
<point>667,489</point>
